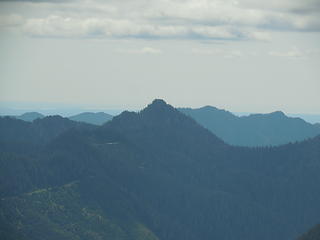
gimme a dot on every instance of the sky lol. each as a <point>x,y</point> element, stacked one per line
<point>239,55</point>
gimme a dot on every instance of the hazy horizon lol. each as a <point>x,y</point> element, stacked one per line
<point>66,110</point>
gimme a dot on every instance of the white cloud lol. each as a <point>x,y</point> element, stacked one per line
<point>211,51</point>
<point>219,52</point>
<point>283,5</point>
<point>188,19</point>
<point>145,50</point>
<point>57,26</point>
<point>149,50</point>
<point>294,52</point>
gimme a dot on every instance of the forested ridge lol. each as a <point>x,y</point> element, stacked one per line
<point>270,129</point>
<point>312,234</point>
<point>155,174</point>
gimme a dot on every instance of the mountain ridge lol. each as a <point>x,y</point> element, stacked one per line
<point>97,118</point>
<point>254,130</point>
<point>312,234</point>
<point>162,170</point>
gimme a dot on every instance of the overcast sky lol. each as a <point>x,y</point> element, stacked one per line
<point>241,55</point>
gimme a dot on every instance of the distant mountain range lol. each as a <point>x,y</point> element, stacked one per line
<point>254,130</point>
<point>154,175</point>
<point>30,116</point>
<point>98,118</point>
<point>311,118</point>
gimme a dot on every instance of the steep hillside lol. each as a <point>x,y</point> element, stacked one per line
<point>157,174</point>
<point>68,213</point>
<point>39,131</point>
<point>312,234</point>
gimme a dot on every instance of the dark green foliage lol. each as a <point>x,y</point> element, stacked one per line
<point>63,213</point>
<point>40,131</point>
<point>98,118</point>
<point>253,130</point>
<point>155,174</point>
<point>312,234</point>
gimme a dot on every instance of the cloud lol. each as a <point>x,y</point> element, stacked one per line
<point>57,26</point>
<point>295,53</point>
<point>145,50</point>
<point>219,52</point>
<point>182,19</point>
<point>296,6</point>
<point>149,50</point>
<point>37,1</point>
<point>290,54</point>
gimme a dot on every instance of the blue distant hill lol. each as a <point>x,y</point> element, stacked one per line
<point>98,118</point>
<point>253,130</point>
<point>30,116</point>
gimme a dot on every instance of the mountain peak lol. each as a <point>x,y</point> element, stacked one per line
<point>158,105</point>
<point>208,107</point>
<point>158,102</point>
<point>30,116</point>
<point>157,112</point>
<point>278,114</point>
<point>98,118</point>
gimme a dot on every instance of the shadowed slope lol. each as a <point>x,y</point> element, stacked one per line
<point>162,171</point>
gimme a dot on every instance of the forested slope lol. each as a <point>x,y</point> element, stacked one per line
<point>156,174</point>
